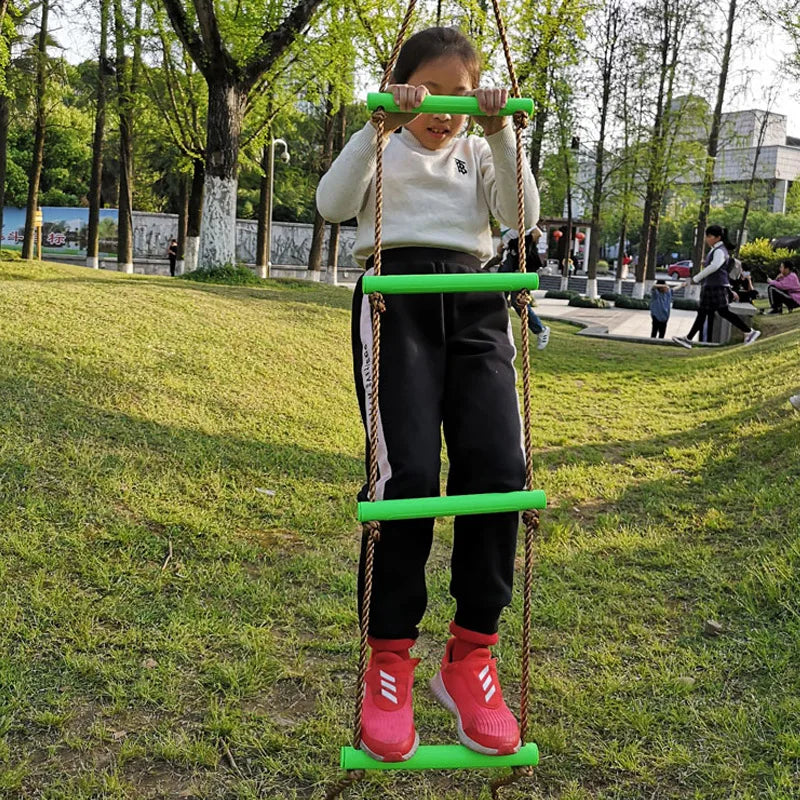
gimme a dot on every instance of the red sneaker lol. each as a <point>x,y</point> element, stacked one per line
<point>469,688</point>
<point>387,726</point>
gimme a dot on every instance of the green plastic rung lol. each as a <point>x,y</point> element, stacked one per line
<point>451,282</point>
<point>448,506</point>
<point>443,756</point>
<point>447,104</point>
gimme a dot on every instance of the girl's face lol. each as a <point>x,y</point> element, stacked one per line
<point>711,240</point>
<point>444,75</point>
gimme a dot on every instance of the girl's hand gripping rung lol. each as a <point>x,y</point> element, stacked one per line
<point>444,104</point>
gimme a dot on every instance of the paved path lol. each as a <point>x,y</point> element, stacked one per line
<point>616,323</point>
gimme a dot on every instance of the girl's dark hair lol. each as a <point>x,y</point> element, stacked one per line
<point>718,230</point>
<point>433,43</point>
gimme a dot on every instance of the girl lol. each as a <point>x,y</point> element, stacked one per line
<point>716,290</point>
<point>448,364</point>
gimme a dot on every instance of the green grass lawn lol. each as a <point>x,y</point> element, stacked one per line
<point>178,548</point>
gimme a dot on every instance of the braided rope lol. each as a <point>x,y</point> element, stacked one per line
<point>530,518</point>
<point>398,43</point>
<point>352,777</point>
<point>372,530</point>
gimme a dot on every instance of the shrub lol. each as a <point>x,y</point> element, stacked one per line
<point>623,301</point>
<point>602,267</point>
<point>685,304</point>
<point>610,297</point>
<point>10,255</point>
<point>559,294</point>
<point>587,302</point>
<point>759,257</point>
<point>230,274</point>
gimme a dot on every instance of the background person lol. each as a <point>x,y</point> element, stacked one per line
<point>784,290</point>
<point>716,290</point>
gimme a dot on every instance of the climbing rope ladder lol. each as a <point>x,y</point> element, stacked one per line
<point>371,513</point>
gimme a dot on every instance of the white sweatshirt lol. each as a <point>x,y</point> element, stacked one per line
<point>431,198</point>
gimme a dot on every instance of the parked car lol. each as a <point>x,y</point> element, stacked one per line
<point>680,269</point>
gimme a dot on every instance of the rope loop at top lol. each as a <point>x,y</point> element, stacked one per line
<point>521,120</point>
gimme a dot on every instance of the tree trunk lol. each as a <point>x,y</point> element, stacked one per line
<point>194,218</point>
<point>95,183</point>
<point>38,137</point>
<point>748,198</point>
<point>265,190</point>
<point>226,103</point>
<point>318,234</point>
<point>3,153</point>
<point>537,138</point>
<point>125,110</point>
<point>713,142</point>
<point>335,229</point>
<point>183,214</point>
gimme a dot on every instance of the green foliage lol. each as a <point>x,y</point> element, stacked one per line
<point>561,294</point>
<point>685,303</point>
<point>793,199</point>
<point>587,302</point>
<point>623,301</point>
<point>602,266</point>
<point>10,255</point>
<point>230,274</point>
<point>760,257</point>
<point>610,297</point>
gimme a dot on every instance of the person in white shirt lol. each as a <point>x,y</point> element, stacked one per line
<point>447,362</point>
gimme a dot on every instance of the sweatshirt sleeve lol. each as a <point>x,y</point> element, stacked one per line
<point>343,189</point>
<point>499,169</point>
<point>789,282</point>
<point>716,262</point>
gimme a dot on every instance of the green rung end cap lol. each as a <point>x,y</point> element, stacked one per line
<point>442,756</point>
<point>448,104</point>
<point>451,282</point>
<point>451,505</point>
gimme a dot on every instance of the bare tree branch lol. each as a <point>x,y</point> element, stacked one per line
<point>187,34</point>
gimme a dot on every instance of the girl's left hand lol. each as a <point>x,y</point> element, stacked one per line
<point>490,101</point>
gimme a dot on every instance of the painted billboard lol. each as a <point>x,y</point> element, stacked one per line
<point>64,230</point>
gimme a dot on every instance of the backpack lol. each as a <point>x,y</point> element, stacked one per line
<point>735,270</point>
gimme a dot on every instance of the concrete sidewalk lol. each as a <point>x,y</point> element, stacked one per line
<point>614,323</point>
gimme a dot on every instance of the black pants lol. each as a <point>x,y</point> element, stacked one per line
<point>707,315</point>
<point>172,260</point>
<point>446,363</point>
<point>659,328</point>
<point>778,299</point>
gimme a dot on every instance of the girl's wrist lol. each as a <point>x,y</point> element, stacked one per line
<point>492,125</point>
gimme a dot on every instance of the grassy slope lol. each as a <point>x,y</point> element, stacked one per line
<point>171,631</point>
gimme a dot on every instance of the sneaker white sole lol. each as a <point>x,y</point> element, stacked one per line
<point>441,694</point>
<point>402,757</point>
<point>677,340</point>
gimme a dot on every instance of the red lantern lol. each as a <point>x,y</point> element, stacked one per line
<point>557,235</point>
<point>580,236</point>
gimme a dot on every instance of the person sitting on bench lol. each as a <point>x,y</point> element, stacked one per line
<point>784,290</point>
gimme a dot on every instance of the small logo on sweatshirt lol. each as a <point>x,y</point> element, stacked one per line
<point>461,166</point>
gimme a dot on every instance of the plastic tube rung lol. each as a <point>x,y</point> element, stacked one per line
<point>443,756</point>
<point>451,282</point>
<point>451,505</point>
<point>448,104</point>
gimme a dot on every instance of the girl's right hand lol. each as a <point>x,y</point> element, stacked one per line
<point>406,97</point>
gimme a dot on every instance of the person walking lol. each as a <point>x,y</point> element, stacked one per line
<point>172,254</point>
<point>716,291</point>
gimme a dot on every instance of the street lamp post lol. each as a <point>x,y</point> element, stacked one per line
<point>264,246</point>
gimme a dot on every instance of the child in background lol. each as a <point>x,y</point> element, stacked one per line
<point>660,306</point>
<point>447,361</point>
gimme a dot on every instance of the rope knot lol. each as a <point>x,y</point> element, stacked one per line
<point>521,119</point>
<point>379,115</point>
<point>372,530</point>
<point>531,519</point>
<point>377,302</point>
<point>523,299</point>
